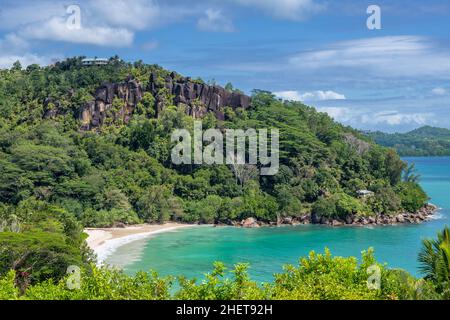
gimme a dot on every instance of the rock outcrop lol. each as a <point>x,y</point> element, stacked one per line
<point>199,98</point>
<point>94,113</point>
<point>52,108</point>
<point>423,214</point>
<point>249,223</point>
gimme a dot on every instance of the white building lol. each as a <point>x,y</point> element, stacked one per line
<point>95,62</point>
<point>364,193</point>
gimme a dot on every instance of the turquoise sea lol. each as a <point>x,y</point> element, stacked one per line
<point>192,251</point>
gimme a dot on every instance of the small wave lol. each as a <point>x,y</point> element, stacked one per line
<point>438,215</point>
<point>110,246</point>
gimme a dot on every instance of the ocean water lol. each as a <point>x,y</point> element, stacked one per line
<point>192,251</point>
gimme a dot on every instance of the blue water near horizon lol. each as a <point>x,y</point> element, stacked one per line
<point>192,251</point>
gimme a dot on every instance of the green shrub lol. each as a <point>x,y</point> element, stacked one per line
<point>324,207</point>
<point>347,205</point>
<point>339,205</point>
<point>412,196</point>
<point>108,218</point>
<point>204,211</point>
<point>384,201</point>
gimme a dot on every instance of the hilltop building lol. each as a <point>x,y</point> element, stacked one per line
<point>365,193</point>
<point>95,62</point>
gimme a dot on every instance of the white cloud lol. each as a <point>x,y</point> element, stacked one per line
<point>14,48</point>
<point>390,118</point>
<point>340,114</point>
<point>394,118</point>
<point>284,9</point>
<point>383,56</point>
<point>7,60</point>
<point>13,43</point>
<point>113,23</point>
<point>56,29</point>
<point>103,23</point>
<point>215,21</point>
<point>48,21</point>
<point>288,95</point>
<point>322,95</point>
<point>309,96</point>
<point>367,118</point>
<point>439,91</point>
<point>14,16</point>
<point>136,15</point>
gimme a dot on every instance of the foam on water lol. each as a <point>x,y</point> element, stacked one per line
<point>109,247</point>
<point>438,215</point>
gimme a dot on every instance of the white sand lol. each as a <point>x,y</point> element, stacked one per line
<point>104,241</point>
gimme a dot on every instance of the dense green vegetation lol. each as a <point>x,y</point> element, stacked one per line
<point>56,179</point>
<point>424,141</point>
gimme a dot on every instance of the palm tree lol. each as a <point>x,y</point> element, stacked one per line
<point>410,173</point>
<point>435,260</point>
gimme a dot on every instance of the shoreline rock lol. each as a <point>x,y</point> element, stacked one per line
<point>422,215</point>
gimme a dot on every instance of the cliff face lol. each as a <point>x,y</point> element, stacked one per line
<point>198,98</point>
<point>94,113</point>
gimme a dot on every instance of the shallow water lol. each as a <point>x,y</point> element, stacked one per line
<point>191,252</point>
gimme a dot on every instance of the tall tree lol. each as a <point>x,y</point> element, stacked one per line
<point>434,260</point>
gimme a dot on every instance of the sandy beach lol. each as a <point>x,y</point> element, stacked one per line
<point>104,241</point>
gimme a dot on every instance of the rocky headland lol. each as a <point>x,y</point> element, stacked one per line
<point>422,215</point>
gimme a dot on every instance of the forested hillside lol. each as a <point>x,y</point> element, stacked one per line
<point>70,158</point>
<point>424,141</point>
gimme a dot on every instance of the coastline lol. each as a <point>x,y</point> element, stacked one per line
<point>104,241</point>
<point>422,215</point>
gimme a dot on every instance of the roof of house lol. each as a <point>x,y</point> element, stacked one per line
<point>364,192</point>
<point>94,59</point>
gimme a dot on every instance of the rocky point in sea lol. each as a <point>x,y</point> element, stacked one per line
<point>420,216</point>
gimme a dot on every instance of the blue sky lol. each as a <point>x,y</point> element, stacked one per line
<point>317,51</point>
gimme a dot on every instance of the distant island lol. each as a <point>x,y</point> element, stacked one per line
<point>424,141</point>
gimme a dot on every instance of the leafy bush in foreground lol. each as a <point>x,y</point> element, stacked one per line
<point>319,276</point>
<point>435,261</point>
